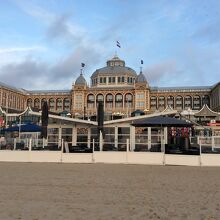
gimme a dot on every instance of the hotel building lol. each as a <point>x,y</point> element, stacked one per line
<point>121,89</point>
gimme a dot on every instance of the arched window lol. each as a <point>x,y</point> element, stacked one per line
<point>153,102</point>
<point>66,103</point>
<point>42,101</point>
<point>206,100</point>
<point>37,103</point>
<point>187,102</point>
<point>109,101</point>
<point>59,104</point>
<point>118,101</point>
<point>161,102</point>
<point>196,102</point>
<point>99,98</point>
<point>30,102</point>
<point>128,100</point>
<point>90,101</point>
<point>51,104</point>
<point>179,102</point>
<point>170,101</point>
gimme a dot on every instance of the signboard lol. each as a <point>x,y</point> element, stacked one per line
<point>214,124</point>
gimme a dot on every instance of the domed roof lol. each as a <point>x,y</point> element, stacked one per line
<point>141,78</point>
<point>116,70</point>
<point>80,80</point>
<point>115,66</point>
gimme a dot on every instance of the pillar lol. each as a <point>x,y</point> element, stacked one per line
<point>89,138</point>
<point>74,135</point>
<point>149,138</point>
<point>116,137</point>
<point>60,136</point>
<point>132,138</point>
<point>165,135</point>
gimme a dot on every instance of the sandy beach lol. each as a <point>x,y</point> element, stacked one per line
<point>35,191</point>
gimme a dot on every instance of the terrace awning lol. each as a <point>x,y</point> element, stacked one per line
<point>160,121</point>
<point>24,128</point>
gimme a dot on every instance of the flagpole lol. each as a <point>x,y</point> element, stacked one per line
<point>118,45</point>
<point>141,67</point>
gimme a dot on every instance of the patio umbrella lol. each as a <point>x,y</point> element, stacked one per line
<point>44,120</point>
<point>100,117</point>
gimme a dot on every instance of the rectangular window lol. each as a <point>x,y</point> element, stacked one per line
<point>100,79</point>
<point>122,79</point>
<point>109,79</point>
<point>67,134</point>
<point>78,97</point>
<point>140,96</point>
<point>104,80</point>
<point>113,79</point>
<point>78,105</point>
<point>140,104</point>
<point>119,79</point>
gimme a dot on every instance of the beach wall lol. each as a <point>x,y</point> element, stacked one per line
<point>210,160</point>
<point>185,160</point>
<point>148,158</point>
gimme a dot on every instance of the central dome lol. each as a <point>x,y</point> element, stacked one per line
<point>115,67</point>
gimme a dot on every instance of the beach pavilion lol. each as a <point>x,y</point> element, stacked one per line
<point>140,133</point>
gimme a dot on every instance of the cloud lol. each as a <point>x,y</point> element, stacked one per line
<point>35,10</point>
<point>157,72</point>
<point>31,73</point>
<point>23,74</point>
<point>70,66</point>
<point>34,74</point>
<point>209,33</point>
<point>61,29</point>
<point>21,49</point>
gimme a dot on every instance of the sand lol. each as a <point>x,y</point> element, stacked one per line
<point>47,191</point>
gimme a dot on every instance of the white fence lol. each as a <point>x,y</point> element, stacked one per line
<point>209,144</point>
<point>125,157</point>
<point>148,158</point>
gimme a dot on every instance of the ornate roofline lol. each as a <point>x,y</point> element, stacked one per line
<point>205,106</point>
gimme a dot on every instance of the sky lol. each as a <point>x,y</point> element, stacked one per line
<point>43,43</point>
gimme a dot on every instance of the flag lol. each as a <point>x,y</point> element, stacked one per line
<point>118,44</point>
<point>83,64</point>
<point>142,62</point>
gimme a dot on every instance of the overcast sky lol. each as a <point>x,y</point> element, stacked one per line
<point>44,42</point>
